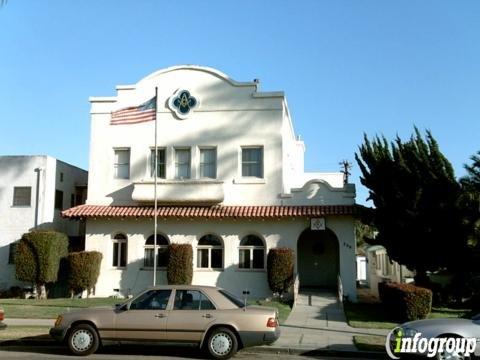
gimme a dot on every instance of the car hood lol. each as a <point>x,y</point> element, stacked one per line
<point>443,323</point>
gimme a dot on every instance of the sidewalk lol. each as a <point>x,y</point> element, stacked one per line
<point>29,322</point>
<point>317,323</point>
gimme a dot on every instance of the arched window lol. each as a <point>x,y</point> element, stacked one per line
<point>119,258</point>
<point>162,255</point>
<point>251,253</point>
<point>210,252</point>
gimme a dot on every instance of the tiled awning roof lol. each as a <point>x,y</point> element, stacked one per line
<point>217,211</point>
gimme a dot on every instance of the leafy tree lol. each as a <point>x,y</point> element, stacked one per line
<point>280,269</point>
<point>471,199</point>
<point>38,256</point>
<point>416,198</point>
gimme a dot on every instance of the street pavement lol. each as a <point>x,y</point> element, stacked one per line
<point>140,352</point>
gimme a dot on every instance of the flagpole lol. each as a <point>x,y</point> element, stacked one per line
<point>155,198</point>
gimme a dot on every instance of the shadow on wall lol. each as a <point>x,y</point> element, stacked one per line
<point>236,281</point>
<point>135,278</point>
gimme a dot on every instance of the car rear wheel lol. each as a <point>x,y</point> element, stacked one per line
<point>446,355</point>
<point>222,343</point>
<point>83,340</point>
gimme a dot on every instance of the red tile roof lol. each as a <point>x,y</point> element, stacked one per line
<point>217,211</point>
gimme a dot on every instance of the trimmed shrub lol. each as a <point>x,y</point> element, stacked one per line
<point>37,257</point>
<point>180,264</point>
<point>280,269</point>
<point>405,302</point>
<point>83,270</point>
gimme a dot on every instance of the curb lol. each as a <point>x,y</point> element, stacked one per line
<point>315,352</point>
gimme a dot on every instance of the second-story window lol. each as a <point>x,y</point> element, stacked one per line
<point>208,163</point>
<point>182,163</point>
<point>121,166</point>
<point>252,161</point>
<point>161,164</point>
<point>59,199</point>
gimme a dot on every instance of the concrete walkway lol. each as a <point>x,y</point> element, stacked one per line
<point>29,322</point>
<point>317,322</point>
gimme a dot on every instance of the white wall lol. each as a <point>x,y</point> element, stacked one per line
<point>15,221</point>
<point>276,233</point>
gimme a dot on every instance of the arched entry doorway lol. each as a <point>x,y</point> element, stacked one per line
<point>318,259</point>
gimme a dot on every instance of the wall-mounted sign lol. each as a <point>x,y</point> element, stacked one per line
<point>182,103</point>
<point>317,224</point>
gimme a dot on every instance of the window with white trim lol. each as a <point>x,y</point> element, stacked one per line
<point>121,165</point>
<point>251,253</point>
<point>210,252</point>
<point>252,161</point>
<point>161,163</point>
<point>182,163</point>
<point>208,163</point>
<point>119,258</point>
<point>162,254</point>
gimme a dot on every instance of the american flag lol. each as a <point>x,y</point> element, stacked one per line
<point>135,114</point>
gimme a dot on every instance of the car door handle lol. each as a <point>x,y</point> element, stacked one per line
<point>160,315</point>
<point>208,316</point>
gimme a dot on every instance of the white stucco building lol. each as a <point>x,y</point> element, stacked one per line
<point>231,183</point>
<point>33,192</point>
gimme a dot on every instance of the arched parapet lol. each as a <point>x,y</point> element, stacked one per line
<point>321,192</point>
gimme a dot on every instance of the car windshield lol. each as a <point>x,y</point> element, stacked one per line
<point>233,298</point>
<point>476,317</point>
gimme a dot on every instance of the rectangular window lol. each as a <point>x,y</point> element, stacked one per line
<point>61,177</point>
<point>161,163</point>
<point>182,163</point>
<point>119,254</point>
<point>58,199</point>
<point>72,200</point>
<point>208,163</point>
<point>22,196</point>
<point>252,162</point>
<point>121,166</point>
<point>202,258</point>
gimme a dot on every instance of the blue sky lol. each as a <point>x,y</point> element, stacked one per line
<point>347,67</point>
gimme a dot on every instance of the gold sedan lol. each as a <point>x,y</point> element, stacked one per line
<point>208,316</point>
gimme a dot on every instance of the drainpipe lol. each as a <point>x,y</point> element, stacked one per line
<point>37,196</point>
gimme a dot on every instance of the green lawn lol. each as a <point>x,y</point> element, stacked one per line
<point>50,308</point>
<point>283,309</point>
<point>373,316</point>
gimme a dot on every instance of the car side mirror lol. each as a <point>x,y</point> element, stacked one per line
<point>122,307</point>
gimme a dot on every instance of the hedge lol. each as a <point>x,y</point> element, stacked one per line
<point>37,257</point>
<point>180,264</point>
<point>405,302</point>
<point>83,270</point>
<point>280,269</point>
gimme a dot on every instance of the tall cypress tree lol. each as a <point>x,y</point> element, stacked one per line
<point>416,198</point>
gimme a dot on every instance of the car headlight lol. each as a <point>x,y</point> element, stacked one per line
<point>59,320</point>
<point>409,332</point>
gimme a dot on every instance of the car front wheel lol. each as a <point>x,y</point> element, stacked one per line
<point>222,343</point>
<point>83,340</point>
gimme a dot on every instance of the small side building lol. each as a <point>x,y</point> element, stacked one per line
<point>33,192</point>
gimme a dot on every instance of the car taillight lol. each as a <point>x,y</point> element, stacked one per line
<point>59,320</point>
<point>2,316</point>
<point>272,323</point>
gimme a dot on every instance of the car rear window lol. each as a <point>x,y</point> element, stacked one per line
<point>238,302</point>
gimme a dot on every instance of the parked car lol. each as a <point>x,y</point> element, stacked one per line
<point>444,328</point>
<point>208,316</point>
<point>2,317</point>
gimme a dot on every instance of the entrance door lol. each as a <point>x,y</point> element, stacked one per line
<point>318,258</point>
